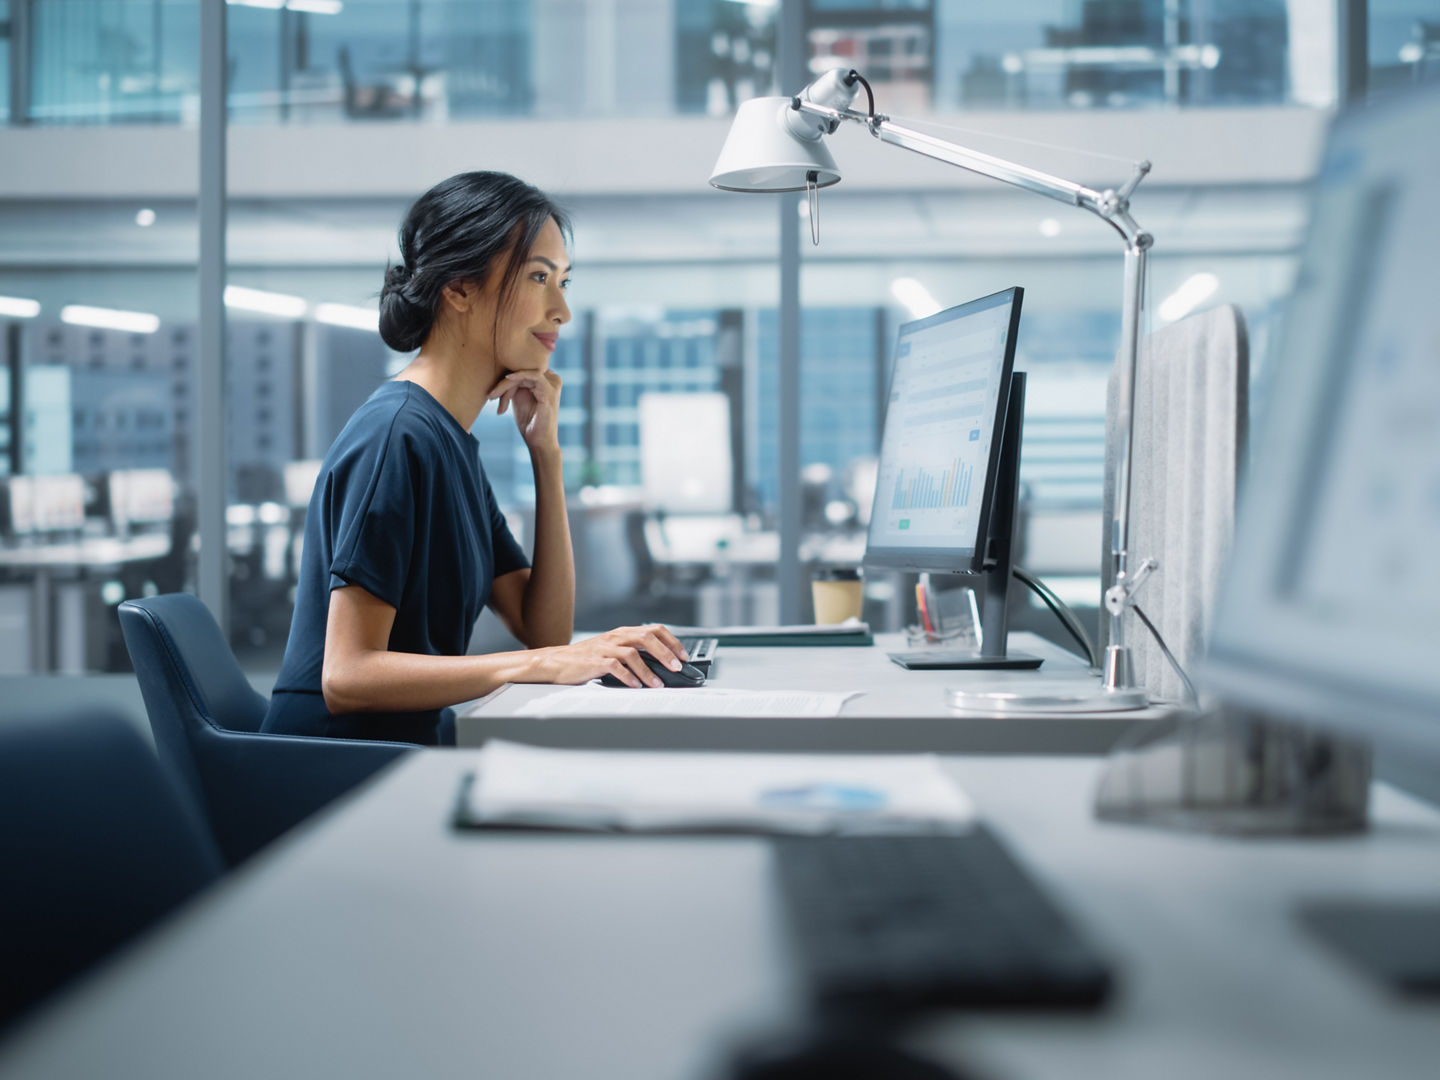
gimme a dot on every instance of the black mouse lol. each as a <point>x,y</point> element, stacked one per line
<point>688,675</point>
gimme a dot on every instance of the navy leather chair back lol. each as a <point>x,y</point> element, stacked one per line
<point>206,717</point>
<point>98,844</point>
<point>189,678</point>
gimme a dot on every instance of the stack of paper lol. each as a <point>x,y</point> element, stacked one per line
<point>605,790</point>
<point>849,632</point>
<point>592,699</point>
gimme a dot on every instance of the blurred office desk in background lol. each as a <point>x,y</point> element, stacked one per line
<point>52,625</point>
<point>896,710</point>
<point>376,941</point>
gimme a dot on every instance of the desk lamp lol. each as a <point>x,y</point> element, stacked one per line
<point>776,144</point>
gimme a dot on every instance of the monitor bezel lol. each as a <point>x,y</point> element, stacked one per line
<point>970,560</point>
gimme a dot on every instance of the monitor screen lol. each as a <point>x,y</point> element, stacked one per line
<point>1331,606</point>
<point>141,496</point>
<point>943,422</point>
<point>53,502</point>
<point>21,490</point>
<point>685,462</point>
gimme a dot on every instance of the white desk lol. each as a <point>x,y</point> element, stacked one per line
<point>41,561</point>
<point>376,942</point>
<point>897,709</point>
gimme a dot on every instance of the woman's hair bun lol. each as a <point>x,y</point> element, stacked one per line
<point>396,276</point>
<point>404,324</point>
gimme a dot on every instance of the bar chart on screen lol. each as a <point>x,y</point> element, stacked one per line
<point>939,426</point>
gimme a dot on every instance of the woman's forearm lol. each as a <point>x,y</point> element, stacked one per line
<point>548,606</point>
<point>375,680</point>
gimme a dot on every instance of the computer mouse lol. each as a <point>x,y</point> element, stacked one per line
<point>688,675</point>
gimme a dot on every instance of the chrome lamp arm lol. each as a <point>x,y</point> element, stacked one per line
<point>810,118</point>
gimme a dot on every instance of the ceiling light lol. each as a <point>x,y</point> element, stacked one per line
<point>145,218</point>
<point>274,5</point>
<point>1195,291</point>
<point>316,7</point>
<point>914,296</point>
<point>135,322</point>
<point>357,318</point>
<point>1050,227</point>
<point>17,308</point>
<point>267,303</point>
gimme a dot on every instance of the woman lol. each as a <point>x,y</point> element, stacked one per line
<point>404,544</point>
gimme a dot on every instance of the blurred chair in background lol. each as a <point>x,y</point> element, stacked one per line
<point>99,844</point>
<point>206,718</point>
<point>1190,424</point>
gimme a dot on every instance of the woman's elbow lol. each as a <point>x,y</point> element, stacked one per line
<point>337,688</point>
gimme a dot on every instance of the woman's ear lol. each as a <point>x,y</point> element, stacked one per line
<point>459,295</point>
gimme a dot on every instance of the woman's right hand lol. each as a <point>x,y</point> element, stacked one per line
<point>616,652</point>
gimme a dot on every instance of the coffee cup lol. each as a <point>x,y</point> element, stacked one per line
<point>839,594</point>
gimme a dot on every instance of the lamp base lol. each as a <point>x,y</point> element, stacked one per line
<point>963,659</point>
<point>1011,702</point>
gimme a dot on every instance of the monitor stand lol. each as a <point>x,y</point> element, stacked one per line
<point>994,587</point>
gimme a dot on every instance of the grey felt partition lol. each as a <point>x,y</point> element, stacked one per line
<point>1191,420</point>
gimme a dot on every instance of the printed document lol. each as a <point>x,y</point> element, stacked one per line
<point>592,699</point>
<point>626,790</point>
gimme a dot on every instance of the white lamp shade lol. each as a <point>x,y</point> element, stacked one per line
<point>762,154</point>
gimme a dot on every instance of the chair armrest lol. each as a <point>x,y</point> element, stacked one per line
<point>259,786</point>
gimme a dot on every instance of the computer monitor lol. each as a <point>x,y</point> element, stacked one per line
<point>51,503</point>
<point>685,457</point>
<point>1330,610</point>
<point>939,453</point>
<point>949,464</point>
<point>141,497</point>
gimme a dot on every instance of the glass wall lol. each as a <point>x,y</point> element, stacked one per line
<point>5,37</point>
<point>113,61</point>
<point>1404,43</point>
<point>322,61</point>
<point>99,369</point>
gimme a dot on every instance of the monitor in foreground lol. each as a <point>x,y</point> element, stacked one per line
<point>1327,627</point>
<point>1330,612</point>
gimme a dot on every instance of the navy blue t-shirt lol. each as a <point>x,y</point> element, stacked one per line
<point>402,509</point>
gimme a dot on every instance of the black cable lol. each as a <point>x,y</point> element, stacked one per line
<point>1189,686</point>
<point>1060,610</point>
<point>869,94</point>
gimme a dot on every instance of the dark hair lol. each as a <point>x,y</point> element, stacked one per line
<point>455,232</point>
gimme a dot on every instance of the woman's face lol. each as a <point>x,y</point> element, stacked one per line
<point>527,327</point>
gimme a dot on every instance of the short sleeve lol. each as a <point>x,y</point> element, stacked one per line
<point>373,516</point>
<point>509,555</point>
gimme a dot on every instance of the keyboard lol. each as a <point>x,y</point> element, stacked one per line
<point>701,650</point>
<point>901,923</point>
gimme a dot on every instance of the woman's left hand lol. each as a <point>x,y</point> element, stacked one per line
<point>534,397</point>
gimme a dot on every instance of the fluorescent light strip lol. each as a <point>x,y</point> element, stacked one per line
<point>314,7</point>
<point>135,322</point>
<point>357,318</point>
<point>18,308</point>
<point>267,303</point>
<point>914,296</point>
<point>1195,291</point>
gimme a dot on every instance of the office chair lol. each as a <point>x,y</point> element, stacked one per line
<point>206,717</point>
<point>1192,405</point>
<point>98,845</point>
